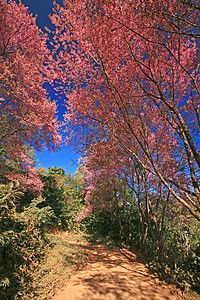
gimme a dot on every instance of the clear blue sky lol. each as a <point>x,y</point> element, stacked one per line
<point>65,158</point>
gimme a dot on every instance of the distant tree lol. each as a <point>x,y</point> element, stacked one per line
<point>63,193</point>
<point>56,170</point>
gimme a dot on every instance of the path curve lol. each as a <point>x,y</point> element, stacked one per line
<point>113,274</point>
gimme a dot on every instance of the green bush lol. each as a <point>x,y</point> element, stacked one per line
<point>22,241</point>
<point>63,194</point>
<point>181,249</point>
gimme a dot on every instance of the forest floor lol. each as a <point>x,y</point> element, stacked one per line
<point>110,273</point>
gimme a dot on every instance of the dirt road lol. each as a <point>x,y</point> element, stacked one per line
<point>113,274</point>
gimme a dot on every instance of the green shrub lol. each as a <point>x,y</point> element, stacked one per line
<point>22,241</point>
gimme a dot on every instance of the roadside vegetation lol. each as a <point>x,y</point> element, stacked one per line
<point>37,249</point>
<point>33,256</point>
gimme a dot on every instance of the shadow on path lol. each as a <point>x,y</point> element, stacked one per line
<point>112,274</point>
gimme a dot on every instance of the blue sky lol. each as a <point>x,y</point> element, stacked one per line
<point>41,8</point>
<point>65,158</point>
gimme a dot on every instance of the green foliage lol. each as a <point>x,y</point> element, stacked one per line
<point>182,252</point>
<point>22,240</point>
<point>100,224</point>
<point>24,224</point>
<point>106,225</point>
<point>42,217</point>
<point>179,261</point>
<point>63,194</point>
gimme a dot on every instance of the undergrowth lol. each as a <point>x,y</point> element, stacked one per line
<point>63,258</point>
<point>32,260</point>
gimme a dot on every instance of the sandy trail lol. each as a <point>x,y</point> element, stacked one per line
<point>113,274</point>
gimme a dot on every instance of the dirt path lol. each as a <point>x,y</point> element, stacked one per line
<point>113,274</point>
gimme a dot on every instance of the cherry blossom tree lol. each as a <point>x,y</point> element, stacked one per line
<point>27,116</point>
<point>116,183</point>
<point>133,71</point>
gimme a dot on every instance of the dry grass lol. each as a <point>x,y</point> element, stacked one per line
<point>63,258</point>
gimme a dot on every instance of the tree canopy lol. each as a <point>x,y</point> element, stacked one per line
<point>133,67</point>
<point>27,116</point>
